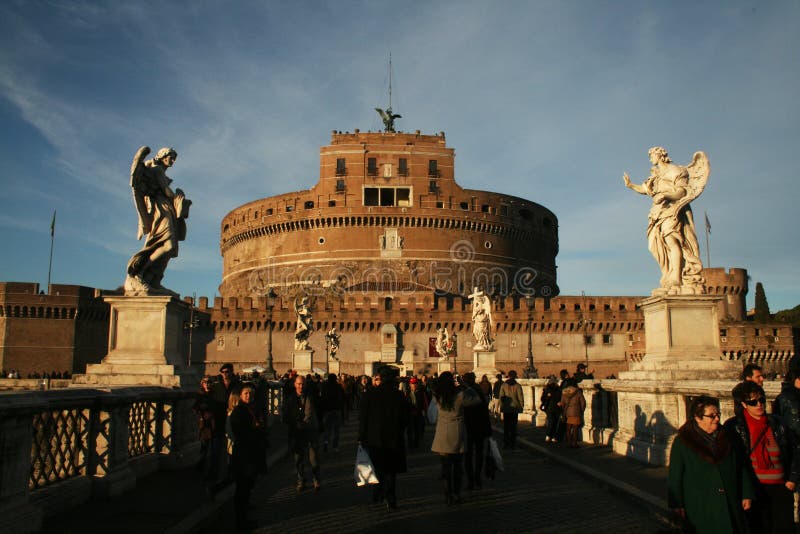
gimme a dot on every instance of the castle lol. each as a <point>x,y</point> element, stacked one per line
<point>387,248</point>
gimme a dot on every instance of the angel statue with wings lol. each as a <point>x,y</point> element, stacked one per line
<point>162,216</point>
<point>671,235</point>
<point>388,117</point>
<point>481,320</point>
<point>305,324</point>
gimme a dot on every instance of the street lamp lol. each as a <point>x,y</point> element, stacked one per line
<point>194,322</point>
<point>270,371</point>
<point>530,369</point>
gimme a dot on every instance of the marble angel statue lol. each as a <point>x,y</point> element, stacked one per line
<point>162,215</point>
<point>671,235</point>
<point>481,320</point>
<point>305,324</point>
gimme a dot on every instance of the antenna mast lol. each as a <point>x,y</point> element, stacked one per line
<point>390,82</point>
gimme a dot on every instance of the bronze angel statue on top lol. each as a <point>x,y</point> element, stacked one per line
<point>388,118</point>
<point>162,216</point>
<point>671,235</point>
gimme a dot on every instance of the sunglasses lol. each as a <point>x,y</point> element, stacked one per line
<point>711,415</point>
<point>756,402</point>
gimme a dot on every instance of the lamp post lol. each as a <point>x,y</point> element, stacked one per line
<point>194,322</point>
<point>530,369</point>
<point>270,371</point>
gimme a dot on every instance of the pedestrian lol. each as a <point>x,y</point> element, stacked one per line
<point>204,411</point>
<point>225,384</point>
<point>417,402</point>
<point>301,420</point>
<point>331,406</point>
<point>774,459</point>
<point>511,403</point>
<point>383,417</point>
<point>495,403</point>
<point>479,429</point>
<point>709,486</point>
<point>573,404</point>
<point>450,436</point>
<point>551,396</point>
<point>248,459</point>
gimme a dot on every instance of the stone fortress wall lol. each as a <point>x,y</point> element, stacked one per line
<point>59,331</point>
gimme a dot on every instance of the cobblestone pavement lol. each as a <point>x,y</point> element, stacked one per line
<point>533,494</point>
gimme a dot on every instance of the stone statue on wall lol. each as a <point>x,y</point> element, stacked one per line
<point>333,340</point>
<point>304,326</point>
<point>388,118</point>
<point>162,215</point>
<point>445,344</point>
<point>481,320</point>
<point>671,235</point>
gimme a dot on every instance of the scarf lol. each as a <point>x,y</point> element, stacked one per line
<point>758,429</point>
<point>711,448</point>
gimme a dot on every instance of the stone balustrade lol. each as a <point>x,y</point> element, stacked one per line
<point>60,448</point>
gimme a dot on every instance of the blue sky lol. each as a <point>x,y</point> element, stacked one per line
<point>549,101</point>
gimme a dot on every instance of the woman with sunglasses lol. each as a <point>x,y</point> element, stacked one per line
<point>774,459</point>
<point>708,485</point>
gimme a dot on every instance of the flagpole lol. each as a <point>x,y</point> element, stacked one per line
<point>52,239</point>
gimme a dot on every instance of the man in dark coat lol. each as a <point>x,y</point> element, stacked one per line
<point>225,383</point>
<point>300,417</point>
<point>476,421</point>
<point>383,416</point>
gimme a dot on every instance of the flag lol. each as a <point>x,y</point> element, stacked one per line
<point>708,224</point>
<point>53,225</point>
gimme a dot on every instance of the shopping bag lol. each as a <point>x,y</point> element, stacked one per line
<point>495,452</point>
<point>433,411</point>
<point>365,471</point>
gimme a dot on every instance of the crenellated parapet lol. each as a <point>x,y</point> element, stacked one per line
<point>732,285</point>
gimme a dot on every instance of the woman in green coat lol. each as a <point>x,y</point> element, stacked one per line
<point>708,485</point>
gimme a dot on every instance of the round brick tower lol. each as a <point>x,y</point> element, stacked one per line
<point>388,215</point>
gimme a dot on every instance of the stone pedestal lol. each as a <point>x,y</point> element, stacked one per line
<point>682,341</point>
<point>333,366</point>
<point>443,365</point>
<point>682,354</point>
<point>146,345</point>
<point>302,361</point>
<point>483,363</point>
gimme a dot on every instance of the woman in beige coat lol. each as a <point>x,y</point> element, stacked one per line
<point>448,442</point>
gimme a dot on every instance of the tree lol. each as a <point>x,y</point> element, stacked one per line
<point>762,307</point>
<point>791,316</point>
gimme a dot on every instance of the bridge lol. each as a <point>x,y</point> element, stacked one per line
<point>122,460</point>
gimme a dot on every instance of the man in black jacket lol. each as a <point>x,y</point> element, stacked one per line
<point>383,416</point>
<point>300,418</point>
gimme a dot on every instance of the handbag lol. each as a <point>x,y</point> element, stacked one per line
<point>433,411</point>
<point>365,471</point>
<point>494,450</point>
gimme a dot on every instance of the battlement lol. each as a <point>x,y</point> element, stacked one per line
<point>340,138</point>
<point>721,281</point>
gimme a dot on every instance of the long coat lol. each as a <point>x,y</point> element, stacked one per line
<point>382,419</point>
<point>250,441</point>
<point>513,392</point>
<point>450,429</point>
<point>710,489</point>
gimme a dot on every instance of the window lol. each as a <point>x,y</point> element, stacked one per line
<point>606,339</point>
<point>723,332</point>
<point>433,187</point>
<point>403,169</point>
<point>372,166</point>
<point>589,340</point>
<point>758,331</point>
<point>403,195</point>
<point>270,211</point>
<point>503,210</point>
<point>621,307</point>
<point>774,331</point>
<point>577,307</point>
<point>289,208</point>
<point>440,204</point>
<point>433,168</point>
<point>341,170</point>
<point>486,208</point>
<point>340,185</point>
<point>371,196</point>
<point>387,196</point>
<point>607,307</point>
<point>464,206</point>
<point>331,203</point>
<point>309,205</point>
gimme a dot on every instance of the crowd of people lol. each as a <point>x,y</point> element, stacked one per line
<point>740,476</point>
<point>52,375</point>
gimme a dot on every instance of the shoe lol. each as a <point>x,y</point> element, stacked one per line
<point>301,486</point>
<point>547,439</point>
<point>555,440</point>
<point>317,486</point>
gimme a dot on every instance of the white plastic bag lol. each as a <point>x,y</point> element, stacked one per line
<point>495,451</point>
<point>365,471</point>
<point>433,411</point>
